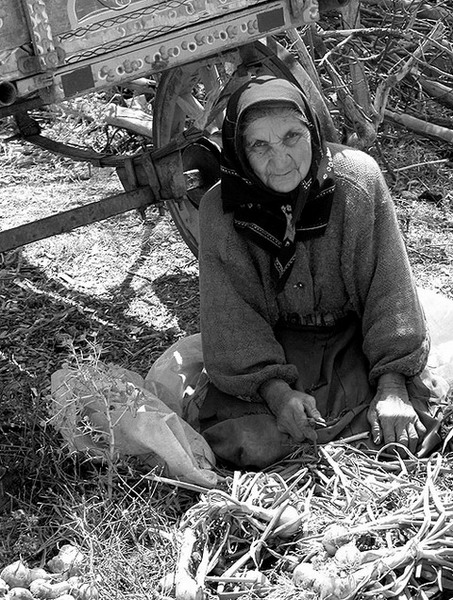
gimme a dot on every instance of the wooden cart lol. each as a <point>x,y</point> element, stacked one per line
<point>197,51</point>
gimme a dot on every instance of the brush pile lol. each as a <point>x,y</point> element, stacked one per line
<point>343,525</point>
<point>389,60</point>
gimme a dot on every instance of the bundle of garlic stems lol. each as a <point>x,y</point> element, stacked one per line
<point>398,512</point>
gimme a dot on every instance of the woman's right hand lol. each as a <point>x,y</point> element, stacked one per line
<point>294,411</point>
<point>296,416</point>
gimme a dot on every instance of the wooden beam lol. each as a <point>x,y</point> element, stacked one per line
<point>421,127</point>
<point>77,217</point>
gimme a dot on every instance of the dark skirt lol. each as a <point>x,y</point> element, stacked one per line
<point>334,370</point>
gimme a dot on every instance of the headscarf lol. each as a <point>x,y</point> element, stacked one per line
<point>273,220</point>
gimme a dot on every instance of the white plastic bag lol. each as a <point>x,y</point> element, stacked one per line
<point>102,409</point>
<point>439,315</point>
<point>175,373</point>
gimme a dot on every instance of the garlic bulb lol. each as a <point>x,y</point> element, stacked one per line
<point>16,575</point>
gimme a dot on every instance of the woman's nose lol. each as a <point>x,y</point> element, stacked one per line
<point>280,154</point>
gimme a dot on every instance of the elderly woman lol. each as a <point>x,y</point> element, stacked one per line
<point>310,320</point>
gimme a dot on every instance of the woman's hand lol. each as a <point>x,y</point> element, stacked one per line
<point>296,415</point>
<point>294,411</point>
<point>391,415</point>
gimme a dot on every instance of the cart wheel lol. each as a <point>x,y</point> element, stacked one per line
<point>197,93</point>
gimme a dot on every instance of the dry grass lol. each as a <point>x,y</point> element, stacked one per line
<point>424,200</point>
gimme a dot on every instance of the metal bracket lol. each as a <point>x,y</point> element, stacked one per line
<point>48,55</point>
<point>131,179</point>
<point>30,64</point>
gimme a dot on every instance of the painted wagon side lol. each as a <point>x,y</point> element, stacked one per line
<point>60,48</point>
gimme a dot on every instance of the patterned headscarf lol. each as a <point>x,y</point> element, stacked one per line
<point>273,220</point>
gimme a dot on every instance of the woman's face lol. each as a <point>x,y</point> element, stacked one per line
<point>278,148</point>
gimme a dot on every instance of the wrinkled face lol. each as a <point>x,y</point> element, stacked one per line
<point>278,148</point>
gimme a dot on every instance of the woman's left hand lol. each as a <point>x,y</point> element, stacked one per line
<point>392,416</point>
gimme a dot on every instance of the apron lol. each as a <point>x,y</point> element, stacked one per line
<point>333,368</point>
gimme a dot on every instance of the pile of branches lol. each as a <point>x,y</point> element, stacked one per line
<point>390,59</point>
<point>346,525</point>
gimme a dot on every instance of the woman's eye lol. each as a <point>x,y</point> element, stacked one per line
<point>293,137</point>
<point>259,147</point>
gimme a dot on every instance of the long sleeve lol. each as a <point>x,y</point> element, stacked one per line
<point>378,276</point>
<point>237,312</point>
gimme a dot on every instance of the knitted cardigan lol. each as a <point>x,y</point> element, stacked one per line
<point>360,265</point>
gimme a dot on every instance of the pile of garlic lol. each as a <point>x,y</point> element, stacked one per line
<point>60,580</point>
<point>332,572</point>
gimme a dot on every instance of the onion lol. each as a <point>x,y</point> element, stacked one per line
<point>326,583</point>
<point>20,593</point>
<point>348,556</point>
<point>38,573</point>
<point>41,588</point>
<point>68,560</point>
<point>188,589</point>
<point>288,523</point>
<point>321,582</point>
<point>167,583</point>
<point>304,575</point>
<point>73,582</point>
<point>88,591</point>
<point>335,536</point>
<point>326,586</point>
<point>334,587</point>
<point>16,575</point>
<point>260,585</point>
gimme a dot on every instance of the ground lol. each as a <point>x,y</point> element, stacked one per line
<point>128,287</point>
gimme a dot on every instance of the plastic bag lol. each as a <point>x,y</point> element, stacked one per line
<point>179,379</point>
<point>439,315</point>
<point>106,410</point>
<point>175,374</point>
